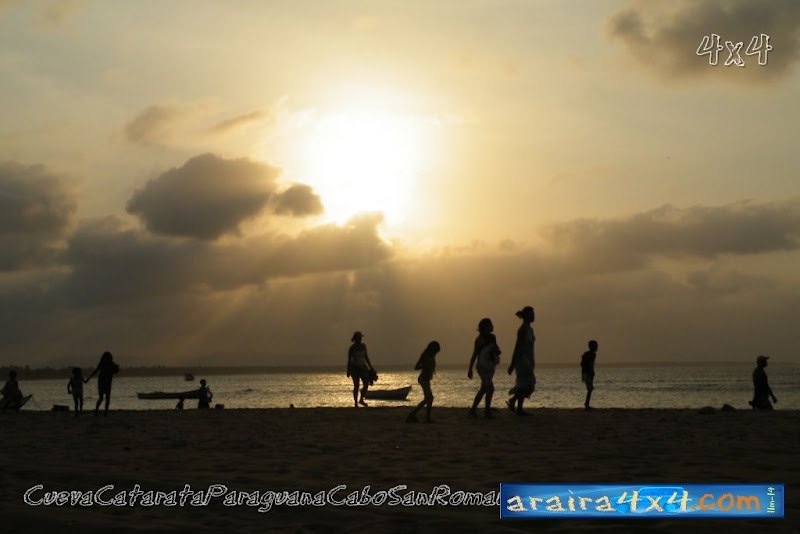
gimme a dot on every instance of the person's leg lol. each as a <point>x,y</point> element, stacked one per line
<point>364,388</point>
<point>489,395</point>
<point>589,389</point>
<point>477,400</point>
<point>108,400</point>
<point>99,402</point>
<point>356,380</point>
<point>426,387</point>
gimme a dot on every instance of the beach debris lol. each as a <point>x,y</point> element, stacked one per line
<point>706,410</point>
<point>727,408</point>
<point>291,406</point>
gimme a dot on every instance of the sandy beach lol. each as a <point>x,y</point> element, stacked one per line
<point>316,450</point>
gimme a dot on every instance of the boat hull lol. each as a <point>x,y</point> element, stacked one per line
<point>387,394</point>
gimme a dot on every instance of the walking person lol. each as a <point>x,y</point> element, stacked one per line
<point>522,363</point>
<point>427,367</point>
<point>761,390</point>
<point>106,369</point>
<point>359,367</point>
<point>587,371</point>
<point>486,355</point>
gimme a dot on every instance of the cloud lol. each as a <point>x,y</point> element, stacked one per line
<point>700,231</point>
<point>37,210</point>
<point>205,198</point>
<point>112,263</point>
<point>233,123</point>
<point>152,125</point>
<point>298,200</point>
<point>664,37</point>
<point>58,11</point>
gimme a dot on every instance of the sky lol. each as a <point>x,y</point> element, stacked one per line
<point>248,183</point>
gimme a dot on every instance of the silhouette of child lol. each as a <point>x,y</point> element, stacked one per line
<point>487,356</point>
<point>427,366</point>
<point>587,371</point>
<point>75,388</point>
<point>106,369</point>
<point>179,406</point>
<point>205,396</point>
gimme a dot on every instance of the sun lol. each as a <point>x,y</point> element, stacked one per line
<point>362,160</point>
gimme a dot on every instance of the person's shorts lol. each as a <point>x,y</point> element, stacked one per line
<point>360,374</point>
<point>487,378</point>
<point>104,388</point>
<point>588,380</point>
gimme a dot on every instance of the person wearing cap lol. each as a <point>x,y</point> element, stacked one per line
<point>761,390</point>
<point>358,367</point>
<point>522,362</point>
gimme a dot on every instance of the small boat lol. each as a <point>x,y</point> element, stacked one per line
<point>387,394</point>
<point>189,377</point>
<point>7,404</point>
<point>193,394</point>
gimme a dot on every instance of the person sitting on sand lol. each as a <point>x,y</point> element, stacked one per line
<point>427,366</point>
<point>205,396</point>
<point>587,371</point>
<point>75,388</point>
<point>761,390</point>
<point>522,362</point>
<point>106,369</point>
<point>358,367</point>
<point>12,396</point>
<point>179,406</point>
<point>487,356</point>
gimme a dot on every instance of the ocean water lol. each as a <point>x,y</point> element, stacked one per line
<point>615,387</point>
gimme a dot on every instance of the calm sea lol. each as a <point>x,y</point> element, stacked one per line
<point>615,387</point>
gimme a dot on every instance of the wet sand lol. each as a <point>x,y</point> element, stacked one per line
<point>316,450</point>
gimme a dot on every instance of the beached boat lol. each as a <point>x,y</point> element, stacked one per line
<point>388,394</point>
<point>7,404</point>
<point>189,377</point>
<point>193,394</point>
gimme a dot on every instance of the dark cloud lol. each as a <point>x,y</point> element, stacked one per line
<point>664,37</point>
<point>700,231</point>
<point>37,209</point>
<point>205,198</point>
<point>111,263</point>
<point>152,125</point>
<point>238,121</point>
<point>298,200</point>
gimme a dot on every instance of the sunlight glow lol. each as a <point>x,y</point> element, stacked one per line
<point>366,161</point>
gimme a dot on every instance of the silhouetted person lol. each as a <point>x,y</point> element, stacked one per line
<point>12,396</point>
<point>75,388</point>
<point>761,390</point>
<point>358,367</point>
<point>179,406</point>
<point>105,371</point>
<point>427,366</point>
<point>487,356</point>
<point>522,362</point>
<point>204,402</point>
<point>587,371</point>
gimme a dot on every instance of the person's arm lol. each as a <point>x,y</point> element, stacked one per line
<point>769,389</point>
<point>475,352</point>
<point>91,375</point>
<point>420,363</point>
<point>517,348</point>
<point>69,387</point>
<point>366,357</point>
<point>349,361</point>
